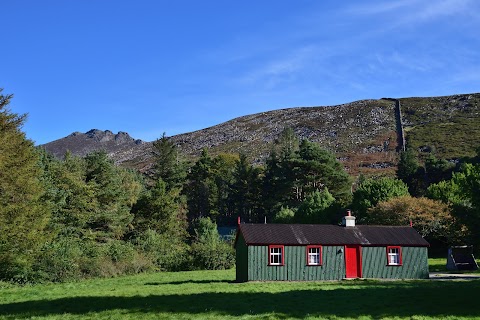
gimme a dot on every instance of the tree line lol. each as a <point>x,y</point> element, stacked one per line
<point>81,217</point>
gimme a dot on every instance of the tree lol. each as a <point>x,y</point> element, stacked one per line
<point>372,191</point>
<point>410,172</point>
<point>276,185</point>
<point>292,176</point>
<point>168,164</point>
<point>23,215</point>
<point>284,215</point>
<point>287,144</point>
<point>68,194</point>
<point>461,194</point>
<point>222,170</point>
<point>316,169</point>
<point>208,250</point>
<point>407,165</point>
<point>314,209</point>
<point>111,215</point>
<point>246,190</point>
<point>437,170</point>
<point>159,209</point>
<point>160,226</point>
<point>431,218</point>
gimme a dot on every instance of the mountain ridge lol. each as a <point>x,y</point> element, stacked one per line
<point>363,134</point>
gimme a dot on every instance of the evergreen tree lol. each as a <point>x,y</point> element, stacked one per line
<point>68,194</point>
<point>246,190</point>
<point>223,167</point>
<point>287,144</point>
<point>275,190</point>
<point>279,181</point>
<point>111,211</point>
<point>316,169</point>
<point>168,164</point>
<point>200,188</point>
<point>437,170</point>
<point>410,172</point>
<point>23,216</point>
<point>159,209</point>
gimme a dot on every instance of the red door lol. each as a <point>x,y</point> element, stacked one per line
<point>353,262</point>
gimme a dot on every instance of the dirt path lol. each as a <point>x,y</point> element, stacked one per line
<point>453,276</point>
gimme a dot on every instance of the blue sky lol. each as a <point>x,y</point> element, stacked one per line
<point>148,67</point>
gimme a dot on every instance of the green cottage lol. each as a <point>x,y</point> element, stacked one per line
<point>308,252</point>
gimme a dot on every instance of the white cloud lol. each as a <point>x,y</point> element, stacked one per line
<point>379,8</point>
<point>415,11</point>
<point>281,69</point>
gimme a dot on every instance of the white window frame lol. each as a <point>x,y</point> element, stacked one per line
<point>314,255</point>
<point>394,256</point>
<point>276,255</point>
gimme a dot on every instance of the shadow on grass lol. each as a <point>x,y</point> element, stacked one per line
<point>159,283</point>
<point>377,300</point>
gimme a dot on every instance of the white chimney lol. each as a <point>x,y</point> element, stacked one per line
<point>348,220</point>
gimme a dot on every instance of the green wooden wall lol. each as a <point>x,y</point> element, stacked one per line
<point>252,264</point>
<point>414,263</point>
<point>241,259</point>
<point>295,268</point>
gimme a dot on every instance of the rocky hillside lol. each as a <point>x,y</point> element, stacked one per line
<point>121,147</point>
<point>362,134</point>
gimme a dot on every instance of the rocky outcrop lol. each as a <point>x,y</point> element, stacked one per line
<point>121,147</point>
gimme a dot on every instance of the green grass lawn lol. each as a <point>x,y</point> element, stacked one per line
<point>440,265</point>
<point>214,295</point>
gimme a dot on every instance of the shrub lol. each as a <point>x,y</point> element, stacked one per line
<point>69,259</point>
<point>209,251</point>
<point>166,253</point>
<point>59,261</point>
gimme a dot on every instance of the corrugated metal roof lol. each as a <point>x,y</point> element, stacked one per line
<point>305,234</point>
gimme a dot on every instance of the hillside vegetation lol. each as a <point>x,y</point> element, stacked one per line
<point>361,134</point>
<point>448,127</point>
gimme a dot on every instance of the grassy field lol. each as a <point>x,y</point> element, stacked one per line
<point>214,295</point>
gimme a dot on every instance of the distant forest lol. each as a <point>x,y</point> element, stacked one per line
<point>62,220</point>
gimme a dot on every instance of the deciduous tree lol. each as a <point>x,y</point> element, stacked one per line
<point>431,218</point>
<point>23,216</point>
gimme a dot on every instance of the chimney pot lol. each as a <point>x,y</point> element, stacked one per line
<point>348,220</point>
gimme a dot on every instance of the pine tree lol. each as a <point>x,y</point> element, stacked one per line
<point>246,190</point>
<point>23,216</point>
<point>111,215</point>
<point>316,168</point>
<point>200,188</point>
<point>168,164</point>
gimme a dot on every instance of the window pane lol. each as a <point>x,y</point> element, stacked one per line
<point>276,256</point>
<point>394,256</point>
<point>314,256</point>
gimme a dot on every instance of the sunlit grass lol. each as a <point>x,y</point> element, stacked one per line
<point>440,265</point>
<point>214,295</point>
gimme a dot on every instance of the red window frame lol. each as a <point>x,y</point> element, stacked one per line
<point>282,248</point>
<point>399,256</point>
<point>320,260</point>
